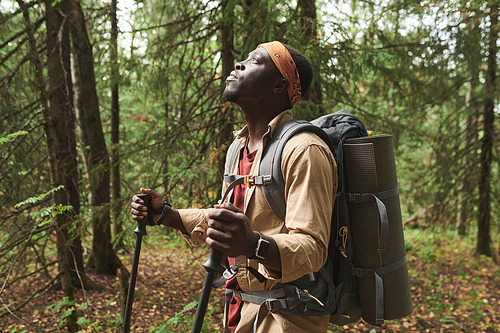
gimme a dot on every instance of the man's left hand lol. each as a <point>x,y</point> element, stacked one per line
<point>229,231</point>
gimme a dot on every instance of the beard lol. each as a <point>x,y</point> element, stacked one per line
<point>230,96</point>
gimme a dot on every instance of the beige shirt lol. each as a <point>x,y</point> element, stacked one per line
<point>309,173</point>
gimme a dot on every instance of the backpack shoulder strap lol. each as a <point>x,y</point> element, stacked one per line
<point>233,151</point>
<point>270,164</point>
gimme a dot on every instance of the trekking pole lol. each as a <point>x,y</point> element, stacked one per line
<point>140,231</point>
<point>212,266</point>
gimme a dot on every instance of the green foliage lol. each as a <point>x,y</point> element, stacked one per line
<point>51,211</point>
<point>449,284</point>
<point>14,329</point>
<point>95,319</point>
<point>37,198</point>
<point>65,307</point>
<point>12,136</point>
<point>90,326</point>
<point>182,322</point>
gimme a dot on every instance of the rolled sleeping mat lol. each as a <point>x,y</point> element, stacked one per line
<point>377,229</point>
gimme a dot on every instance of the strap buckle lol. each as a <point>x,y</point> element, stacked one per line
<point>272,304</point>
<point>267,179</point>
<point>249,181</point>
<point>359,272</point>
<point>360,197</point>
<point>354,197</point>
<point>257,180</point>
<point>230,272</point>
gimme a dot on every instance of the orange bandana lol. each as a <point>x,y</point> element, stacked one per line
<point>284,61</point>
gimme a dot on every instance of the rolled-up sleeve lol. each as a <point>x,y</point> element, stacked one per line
<point>196,223</point>
<point>309,173</point>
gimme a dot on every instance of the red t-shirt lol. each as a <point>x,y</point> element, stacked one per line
<point>233,315</point>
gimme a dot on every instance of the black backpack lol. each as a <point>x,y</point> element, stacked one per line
<point>335,288</point>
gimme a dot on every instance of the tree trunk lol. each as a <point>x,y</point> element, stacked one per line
<point>115,127</point>
<point>103,258</point>
<point>55,125</point>
<point>309,34</point>
<point>471,101</point>
<point>225,117</point>
<point>123,278</point>
<point>484,237</point>
<point>467,186</point>
<point>395,84</point>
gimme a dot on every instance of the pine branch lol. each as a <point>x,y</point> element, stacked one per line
<point>22,238</point>
<point>21,277</point>
<point>28,108</point>
<point>8,17</point>
<point>36,25</point>
<point>7,78</point>
<point>190,19</point>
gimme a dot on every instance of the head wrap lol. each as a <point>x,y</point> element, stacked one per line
<point>284,61</point>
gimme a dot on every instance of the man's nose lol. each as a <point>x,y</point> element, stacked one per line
<point>239,66</point>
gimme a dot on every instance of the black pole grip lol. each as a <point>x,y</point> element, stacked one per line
<point>213,263</point>
<point>141,224</point>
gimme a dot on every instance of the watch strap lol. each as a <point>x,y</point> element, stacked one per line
<point>255,250</point>
<point>260,241</point>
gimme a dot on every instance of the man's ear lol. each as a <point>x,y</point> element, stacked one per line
<point>281,86</point>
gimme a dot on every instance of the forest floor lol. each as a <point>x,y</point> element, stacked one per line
<point>452,290</point>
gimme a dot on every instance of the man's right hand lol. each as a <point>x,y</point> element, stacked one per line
<point>139,211</point>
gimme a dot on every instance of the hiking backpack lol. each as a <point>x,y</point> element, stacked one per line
<point>366,273</point>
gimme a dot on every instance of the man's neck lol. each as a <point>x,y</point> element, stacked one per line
<point>257,124</point>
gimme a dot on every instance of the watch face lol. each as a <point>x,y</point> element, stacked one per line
<point>262,248</point>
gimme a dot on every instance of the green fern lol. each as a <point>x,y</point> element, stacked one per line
<point>51,211</point>
<point>40,197</point>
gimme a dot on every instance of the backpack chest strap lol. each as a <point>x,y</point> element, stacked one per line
<point>248,180</point>
<point>236,180</point>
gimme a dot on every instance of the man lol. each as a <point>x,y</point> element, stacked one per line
<point>266,86</point>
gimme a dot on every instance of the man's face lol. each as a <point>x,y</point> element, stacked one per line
<point>252,79</point>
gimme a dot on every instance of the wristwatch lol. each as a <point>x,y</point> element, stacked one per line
<point>262,247</point>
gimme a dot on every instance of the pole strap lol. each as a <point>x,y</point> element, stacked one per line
<point>164,212</point>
